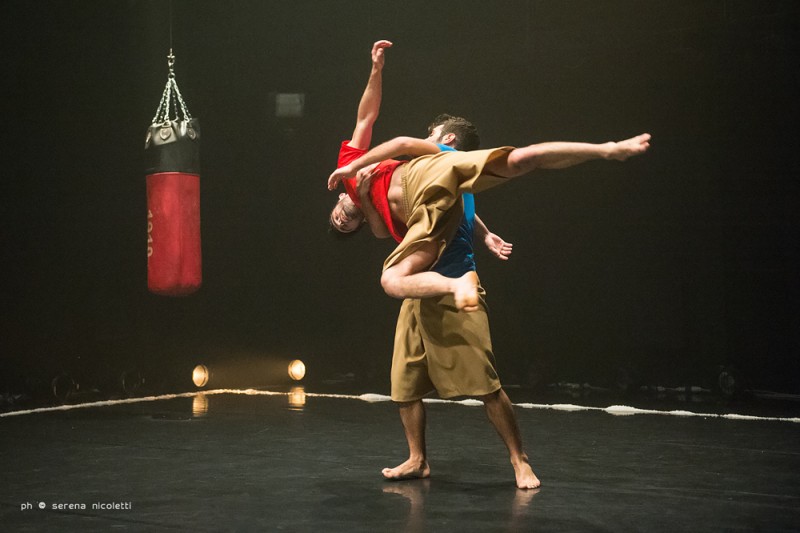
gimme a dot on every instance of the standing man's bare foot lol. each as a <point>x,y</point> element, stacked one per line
<point>465,292</point>
<point>526,479</point>
<point>409,470</point>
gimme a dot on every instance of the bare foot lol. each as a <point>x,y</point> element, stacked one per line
<point>408,470</point>
<point>526,479</point>
<point>465,292</point>
<point>630,147</point>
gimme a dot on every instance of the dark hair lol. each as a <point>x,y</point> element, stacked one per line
<point>465,131</point>
<point>334,232</point>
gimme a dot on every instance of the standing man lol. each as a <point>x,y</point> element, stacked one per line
<point>436,346</point>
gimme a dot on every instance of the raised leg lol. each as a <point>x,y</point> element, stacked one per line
<point>412,414</point>
<point>410,278</point>
<point>501,414</point>
<point>554,155</point>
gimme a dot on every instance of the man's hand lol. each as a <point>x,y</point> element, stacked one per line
<point>378,54</point>
<point>338,175</point>
<point>499,248</point>
<point>364,181</point>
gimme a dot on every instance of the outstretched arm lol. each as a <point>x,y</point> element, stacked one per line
<point>393,148</point>
<point>499,248</point>
<point>370,105</point>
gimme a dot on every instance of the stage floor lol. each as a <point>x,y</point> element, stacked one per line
<point>281,462</point>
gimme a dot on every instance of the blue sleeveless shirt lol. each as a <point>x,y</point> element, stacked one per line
<point>458,257</point>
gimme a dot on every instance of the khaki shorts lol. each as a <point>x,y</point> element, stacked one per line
<point>436,346</point>
<point>432,187</point>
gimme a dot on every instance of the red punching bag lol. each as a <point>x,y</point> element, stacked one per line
<point>172,153</point>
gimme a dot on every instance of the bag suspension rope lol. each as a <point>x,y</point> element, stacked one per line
<point>172,161</point>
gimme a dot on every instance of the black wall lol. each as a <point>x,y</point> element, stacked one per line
<point>668,265</point>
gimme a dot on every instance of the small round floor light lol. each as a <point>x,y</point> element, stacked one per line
<point>297,370</point>
<point>200,376</point>
<point>63,386</point>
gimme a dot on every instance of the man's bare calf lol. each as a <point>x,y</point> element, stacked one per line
<point>413,415</point>
<point>501,414</point>
<point>558,155</point>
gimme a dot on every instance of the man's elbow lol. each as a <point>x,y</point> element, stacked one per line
<point>391,285</point>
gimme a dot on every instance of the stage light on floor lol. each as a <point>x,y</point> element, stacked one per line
<point>200,375</point>
<point>131,381</point>
<point>63,386</point>
<point>247,372</point>
<point>297,370</point>
<point>729,381</point>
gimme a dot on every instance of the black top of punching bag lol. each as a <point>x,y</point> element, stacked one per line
<point>173,146</point>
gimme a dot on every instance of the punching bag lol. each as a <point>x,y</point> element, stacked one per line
<point>172,166</point>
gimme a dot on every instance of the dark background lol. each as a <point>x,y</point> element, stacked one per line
<point>668,266</point>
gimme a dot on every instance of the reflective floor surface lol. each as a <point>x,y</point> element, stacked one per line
<point>232,462</point>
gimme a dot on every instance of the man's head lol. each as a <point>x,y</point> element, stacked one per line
<point>346,218</point>
<point>457,132</point>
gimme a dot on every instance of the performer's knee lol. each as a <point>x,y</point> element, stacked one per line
<point>390,283</point>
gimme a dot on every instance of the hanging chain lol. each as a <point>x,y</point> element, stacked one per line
<point>171,99</point>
